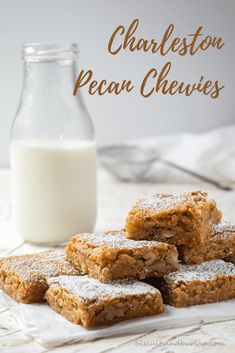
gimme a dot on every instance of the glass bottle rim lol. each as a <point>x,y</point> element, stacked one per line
<point>49,51</point>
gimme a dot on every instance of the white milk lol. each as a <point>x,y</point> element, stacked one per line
<point>53,188</point>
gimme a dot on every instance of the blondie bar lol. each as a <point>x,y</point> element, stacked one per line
<point>220,245</point>
<point>110,256</point>
<point>23,277</point>
<point>180,219</point>
<point>86,301</point>
<point>208,282</point>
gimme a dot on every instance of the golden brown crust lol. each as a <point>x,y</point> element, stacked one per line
<point>179,220</point>
<point>110,256</point>
<point>23,277</point>
<point>93,306</point>
<point>220,245</point>
<point>208,282</point>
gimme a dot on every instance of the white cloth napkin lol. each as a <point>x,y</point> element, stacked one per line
<point>211,154</point>
<point>48,328</point>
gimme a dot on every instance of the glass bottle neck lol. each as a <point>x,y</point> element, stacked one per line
<point>48,109</point>
<point>48,79</point>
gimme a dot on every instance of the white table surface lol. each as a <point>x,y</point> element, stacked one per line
<point>115,199</point>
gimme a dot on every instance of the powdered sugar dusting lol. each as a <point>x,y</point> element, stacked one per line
<point>165,201</point>
<point>204,271</point>
<point>225,227</point>
<point>90,289</point>
<point>117,240</point>
<point>38,266</point>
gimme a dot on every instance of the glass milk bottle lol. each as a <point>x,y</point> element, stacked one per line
<point>53,151</point>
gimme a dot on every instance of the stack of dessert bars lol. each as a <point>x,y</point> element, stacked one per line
<point>175,249</point>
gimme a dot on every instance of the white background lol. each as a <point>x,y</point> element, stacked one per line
<point>90,23</point>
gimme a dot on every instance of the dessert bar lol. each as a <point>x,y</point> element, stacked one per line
<point>86,301</point>
<point>220,245</point>
<point>23,277</point>
<point>111,256</point>
<point>209,282</point>
<point>176,219</point>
